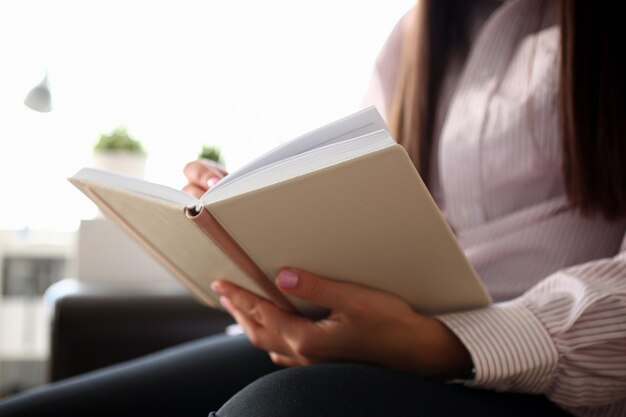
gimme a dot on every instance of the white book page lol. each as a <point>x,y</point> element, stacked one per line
<point>123,182</point>
<point>300,164</point>
<point>360,123</point>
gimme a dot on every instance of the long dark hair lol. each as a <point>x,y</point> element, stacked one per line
<point>592,95</point>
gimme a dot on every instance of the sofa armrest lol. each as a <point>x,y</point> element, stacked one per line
<point>94,327</point>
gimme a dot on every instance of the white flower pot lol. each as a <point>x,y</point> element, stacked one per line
<point>127,163</point>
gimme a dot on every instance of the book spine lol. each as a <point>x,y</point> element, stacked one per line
<point>214,230</point>
<point>111,213</point>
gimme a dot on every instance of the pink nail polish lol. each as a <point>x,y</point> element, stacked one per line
<point>287,279</point>
<point>212,181</point>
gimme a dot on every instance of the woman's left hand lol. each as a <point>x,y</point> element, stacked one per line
<point>364,325</point>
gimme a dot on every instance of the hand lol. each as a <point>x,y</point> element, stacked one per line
<point>364,325</point>
<point>202,174</point>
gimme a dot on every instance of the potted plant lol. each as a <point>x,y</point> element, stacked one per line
<point>212,153</point>
<point>118,151</point>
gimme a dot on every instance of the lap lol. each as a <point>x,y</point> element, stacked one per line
<point>189,379</point>
<point>360,390</point>
<point>196,377</point>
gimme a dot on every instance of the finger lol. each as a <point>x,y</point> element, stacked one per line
<point>221,286</point>
<point>292,331</point>
<point>317,290</point>
<point>246,322</point>
<point>202,173</point>
<point>194,190</point>
<point>254,307</point>
<point>283,360</point>
<point>263,311</point>
<point>242,299</point>
<point>214,165</point>
<point>260,336</point>
<point>251,328</point>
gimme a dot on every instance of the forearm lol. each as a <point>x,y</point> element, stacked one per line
<point>433,350</point>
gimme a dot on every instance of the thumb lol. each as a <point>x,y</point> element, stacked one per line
<point>315,289</point>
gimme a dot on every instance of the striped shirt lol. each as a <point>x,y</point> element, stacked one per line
<point>558,324</point>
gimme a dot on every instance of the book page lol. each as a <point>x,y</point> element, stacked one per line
<point>312,160</point>
<point>358,124</point>
<point>137,185</point>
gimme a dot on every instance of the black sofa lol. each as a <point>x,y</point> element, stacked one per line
<point>95,325</point>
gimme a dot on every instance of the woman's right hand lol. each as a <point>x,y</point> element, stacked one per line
<point>202,174</point>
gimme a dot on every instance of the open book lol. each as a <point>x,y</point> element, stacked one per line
<point>343,201</point>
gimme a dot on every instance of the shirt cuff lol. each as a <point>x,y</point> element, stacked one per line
<point>510,347</point>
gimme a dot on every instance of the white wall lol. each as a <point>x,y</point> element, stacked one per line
<point>244,75</point>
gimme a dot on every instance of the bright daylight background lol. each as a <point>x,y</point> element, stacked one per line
<point>244,75</point>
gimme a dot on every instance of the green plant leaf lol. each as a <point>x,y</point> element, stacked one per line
<point>118,141</point>
<point>211,153</point>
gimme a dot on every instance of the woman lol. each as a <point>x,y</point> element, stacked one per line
<point>492,155</point>
<point>521,142</point>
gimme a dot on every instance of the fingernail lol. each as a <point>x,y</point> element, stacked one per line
<point>212,181</point>
<point>216,287</point>
<point>287,279</point>
<point>226,303</point>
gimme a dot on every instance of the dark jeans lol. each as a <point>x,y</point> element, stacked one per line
<point>197,377</point>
